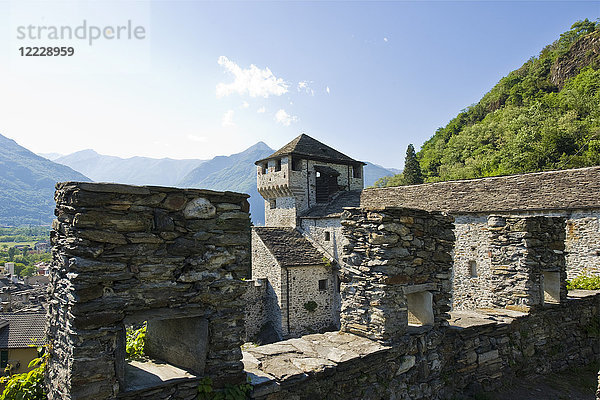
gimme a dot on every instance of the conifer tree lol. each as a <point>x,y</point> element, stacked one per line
<point>412,170</point>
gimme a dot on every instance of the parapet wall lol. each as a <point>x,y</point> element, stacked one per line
<point>398,267</point>
<point>392,255</point>
<point>527,261</point>
<point>125,254</point>
<point>475,354</point>
<point>509,261</point>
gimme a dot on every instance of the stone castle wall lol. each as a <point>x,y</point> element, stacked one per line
<point>500,261</point>
<point>316,229</point>
<point>398,266</point>
<point>583,242</point>
<point>304,288</point>
<point>393,253</point>
<point>256,305</point>
<point>573,194</point>
<point>581,246</point>
<point>471,270</point>
<point>127,254</point>
<point>463,359</point>
<point>266,268</point>
<point>527,255</point>
<point>283,214</point>
<point>175,258</point>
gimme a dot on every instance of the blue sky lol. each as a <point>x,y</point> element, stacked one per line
<point>213,78</point>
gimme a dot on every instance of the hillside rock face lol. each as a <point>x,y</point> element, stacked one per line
<point>584,52</point>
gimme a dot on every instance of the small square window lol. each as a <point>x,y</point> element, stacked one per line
<point>323,284</point>
<point>327,236</point>
<point>551,287</point>
<point>277,165</point>
<point>356,171</point>
<point>272,204</point>
<point>420,308</point>
<point>296,164</point>
<point>473,268</point>
<point>3,358</point>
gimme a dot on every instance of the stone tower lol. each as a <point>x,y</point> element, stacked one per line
<point>303,174</point>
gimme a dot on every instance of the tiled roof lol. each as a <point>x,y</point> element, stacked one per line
<point>23,329</point>
<point>289,247</point>
<point>553,190</point>
<point>335,207</point>
<point>310,148</point>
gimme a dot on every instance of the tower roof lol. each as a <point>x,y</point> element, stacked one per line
<point>310,148</point>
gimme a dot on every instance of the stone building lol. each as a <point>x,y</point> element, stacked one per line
<point>294,259</point>
<point>307,185</point>
<point>298,290</point>
<point>21,333</point>
<point>303,174</point>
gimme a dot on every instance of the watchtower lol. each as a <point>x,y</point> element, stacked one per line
<point>302,174</point>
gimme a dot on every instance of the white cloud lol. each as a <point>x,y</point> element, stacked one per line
<point>253,81</point>
<point>195,138</point>
<point>385,39</point>
<point>261,110</point>
<point>227,119</point>
<point>284,118</point>
<point>327,90</point>
<point>303,86</point>
<point>245,104</point>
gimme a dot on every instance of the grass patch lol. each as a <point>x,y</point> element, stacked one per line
<point>13,244</point>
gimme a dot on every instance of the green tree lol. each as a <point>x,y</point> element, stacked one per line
<point>412,169</point>
<point>11,253</point>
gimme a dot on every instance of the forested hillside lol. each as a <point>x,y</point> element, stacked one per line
<point>27,185</point>
<point>543,116</point>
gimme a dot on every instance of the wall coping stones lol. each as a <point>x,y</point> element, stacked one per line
<point>102,187</point>
<point>274,365</point>
<point>552,190</point>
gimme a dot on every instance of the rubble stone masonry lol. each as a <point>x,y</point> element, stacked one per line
<point>397,268</point>
<point>127,254</point>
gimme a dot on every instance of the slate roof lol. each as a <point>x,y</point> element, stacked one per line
<point>22,329</point>
<point>554,190</point>
<point>310,148</point>
<point>573,189</point>
<point>334,207</point>
<point>289,247</point>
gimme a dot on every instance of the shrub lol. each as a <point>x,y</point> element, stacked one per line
<point>28,385</point>
<point>584,282</point>
<point>135,342</point>
<point>310,306</point>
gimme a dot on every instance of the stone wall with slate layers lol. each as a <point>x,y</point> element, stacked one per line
<point>123,255</point>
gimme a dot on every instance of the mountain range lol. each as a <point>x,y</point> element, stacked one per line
<point>236,172</point>
<point>27,184</point>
